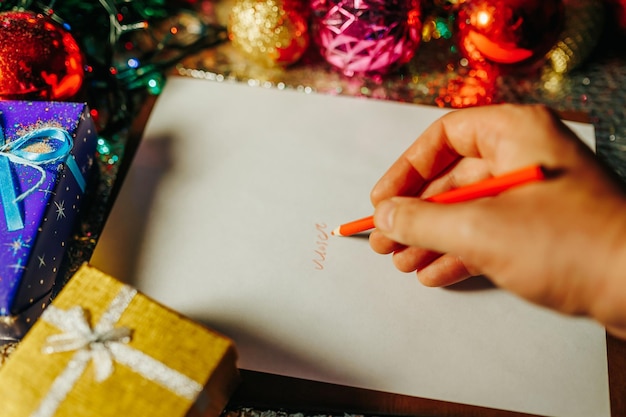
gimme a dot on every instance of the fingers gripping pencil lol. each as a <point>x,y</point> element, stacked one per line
<point>486,188</point>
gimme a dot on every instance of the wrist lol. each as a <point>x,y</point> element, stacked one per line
<point>609,303</point>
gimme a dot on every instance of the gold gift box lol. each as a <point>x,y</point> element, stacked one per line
<point>103,349</point>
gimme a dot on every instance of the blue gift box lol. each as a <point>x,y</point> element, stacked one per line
<point>47,154</point>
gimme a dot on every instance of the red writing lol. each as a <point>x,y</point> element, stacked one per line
<point>321,243</point>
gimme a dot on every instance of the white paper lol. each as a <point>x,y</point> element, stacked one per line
<point>225,216</point>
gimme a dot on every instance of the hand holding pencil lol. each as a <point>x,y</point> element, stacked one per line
<point>486,188</point>
<point>560,242</point>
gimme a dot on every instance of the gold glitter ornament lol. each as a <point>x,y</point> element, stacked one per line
<point>584,23</point>
<point>270,32</point>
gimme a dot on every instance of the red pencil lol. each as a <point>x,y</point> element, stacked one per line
<point>486,188</point>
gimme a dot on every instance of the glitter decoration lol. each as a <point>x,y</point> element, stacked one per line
<point>38,58</point>
<point>584,24</point>
<point>476,87</point>
<point>512,34</point>
<point>6,350</point>
<point>270,32</point>
<point>368,36</point>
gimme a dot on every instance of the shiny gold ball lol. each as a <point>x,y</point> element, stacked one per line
<point>270,32</point>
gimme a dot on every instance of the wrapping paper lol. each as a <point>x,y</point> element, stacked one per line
<point>47,154</point>
<point>104,349</point>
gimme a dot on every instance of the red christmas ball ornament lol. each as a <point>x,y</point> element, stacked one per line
<point>39,60</point>
<point>511,34</point>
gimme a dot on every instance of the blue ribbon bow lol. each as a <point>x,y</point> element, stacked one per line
<point>13,152</point>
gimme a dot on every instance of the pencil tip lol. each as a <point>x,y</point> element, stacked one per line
<point>336,232</point>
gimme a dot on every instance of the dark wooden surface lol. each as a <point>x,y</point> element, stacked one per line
<point>616,352</point>
<point>272,392</point>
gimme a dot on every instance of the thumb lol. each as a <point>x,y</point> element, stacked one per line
<point>443,228</point>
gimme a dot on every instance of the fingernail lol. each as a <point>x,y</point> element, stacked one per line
<point>383,216</point>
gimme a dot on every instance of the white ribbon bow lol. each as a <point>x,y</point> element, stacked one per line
<point>103,345</point>
<point>80,336</point>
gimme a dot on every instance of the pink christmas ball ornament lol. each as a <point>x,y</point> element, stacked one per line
<point>366,36</point>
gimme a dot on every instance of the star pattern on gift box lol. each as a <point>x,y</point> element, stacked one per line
<point>18,245</point>
<point>88,166</point>
<point>60,210</point>
<point>42,260</point>
<point>18,265</point>
<point>49,192</point>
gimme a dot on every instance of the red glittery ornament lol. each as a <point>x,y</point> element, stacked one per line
<point>512,34</point>
<point>38,58</point>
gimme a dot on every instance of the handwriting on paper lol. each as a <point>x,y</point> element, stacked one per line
<point>321,245</point>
